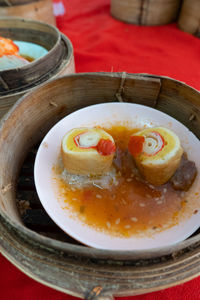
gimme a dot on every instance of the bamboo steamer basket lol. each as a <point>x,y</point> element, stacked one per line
<point>145,12</point>
<point>41,10</point>
<point>189,19</point>
<point>38,247</point>
<point>58,61</point>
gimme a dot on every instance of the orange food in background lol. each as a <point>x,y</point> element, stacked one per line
<point>7,47</point>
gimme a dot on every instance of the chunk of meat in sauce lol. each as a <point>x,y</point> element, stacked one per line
<point>124,162</point>
<point>184,175</point>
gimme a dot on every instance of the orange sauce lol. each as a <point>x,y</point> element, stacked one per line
<point>132,206</point>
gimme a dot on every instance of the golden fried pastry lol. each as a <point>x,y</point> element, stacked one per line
<point>87,151</point>
<point>157,153</point>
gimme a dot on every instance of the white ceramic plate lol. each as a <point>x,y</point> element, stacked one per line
<point>31,50</point>
<point>107,115</point>
<point>26,50</point>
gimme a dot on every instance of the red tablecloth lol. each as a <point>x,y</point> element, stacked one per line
<point>102,43</point>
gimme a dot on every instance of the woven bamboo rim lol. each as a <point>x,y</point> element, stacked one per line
<point>145,12</point>
<point>78,270</point>
<point>189,19</point>
<point>15,2</point>
<point>40,10</point>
